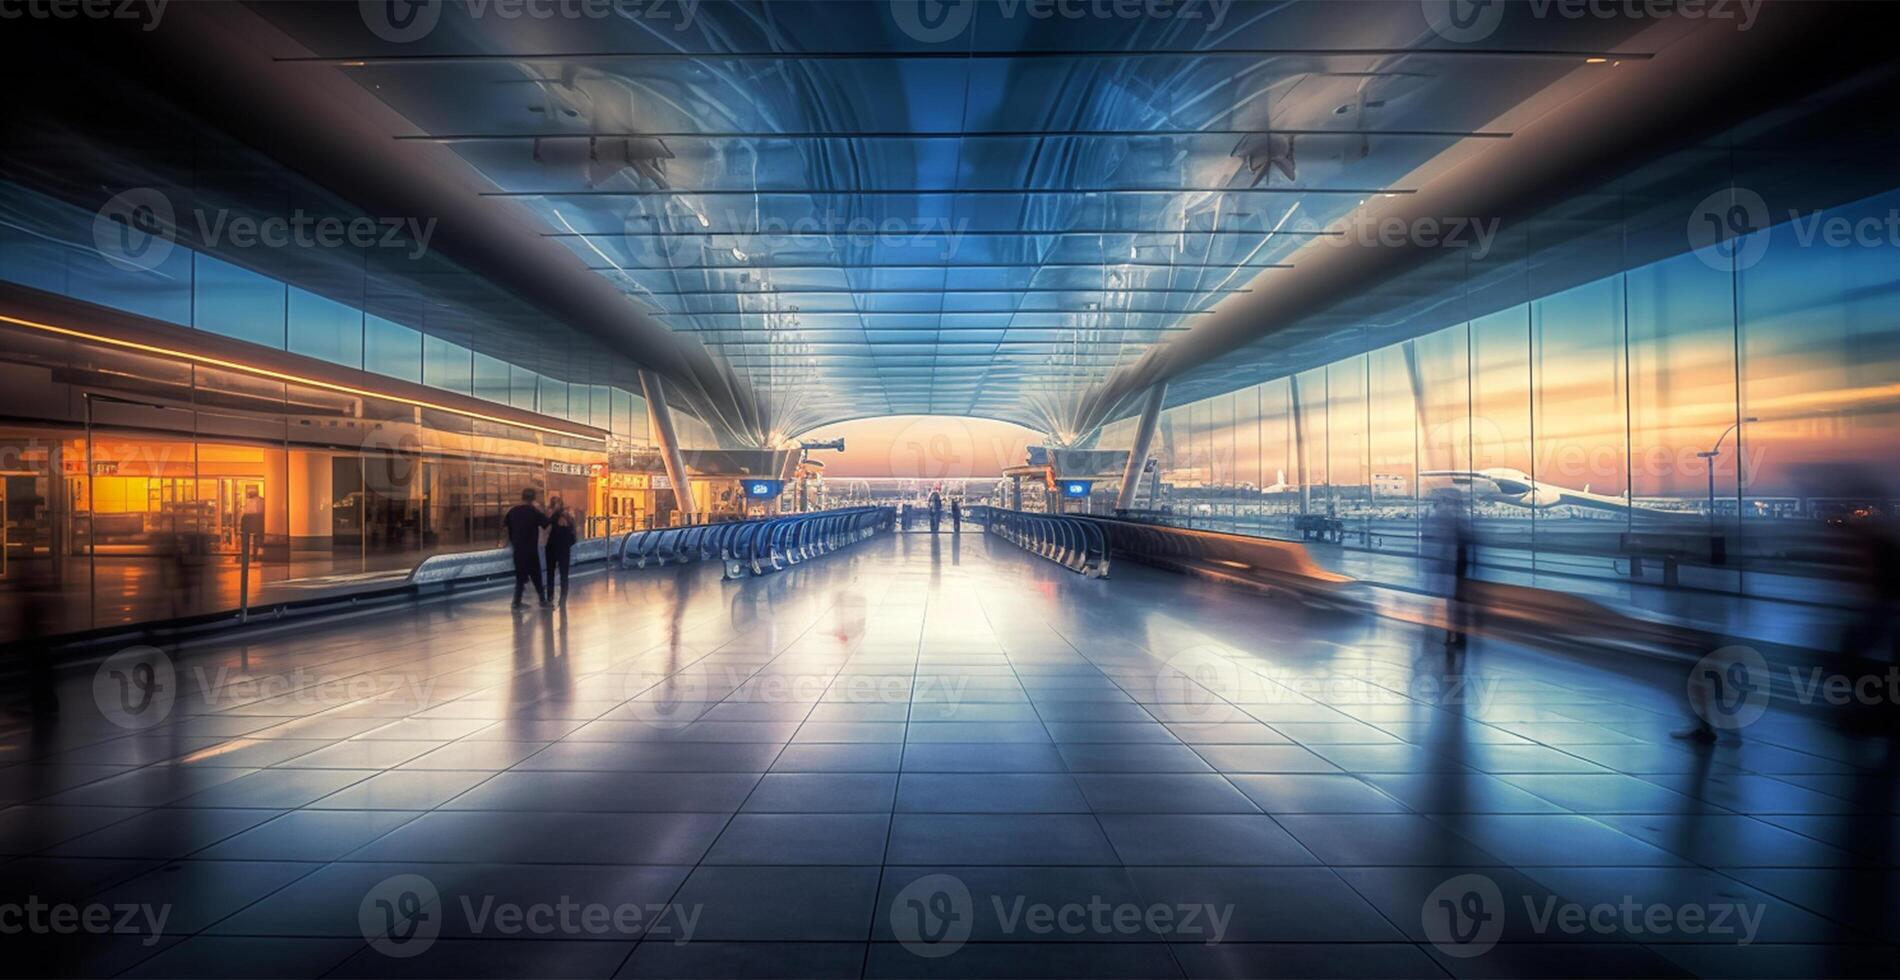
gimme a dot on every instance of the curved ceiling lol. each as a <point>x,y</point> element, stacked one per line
<point>990,213</point>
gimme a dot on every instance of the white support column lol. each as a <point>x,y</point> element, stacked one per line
<point>662,419</point>
<point>1144,439</point>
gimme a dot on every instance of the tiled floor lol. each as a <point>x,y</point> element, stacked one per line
<point>923,757</point>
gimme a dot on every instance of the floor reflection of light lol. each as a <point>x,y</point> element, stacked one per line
<point>224,748</point>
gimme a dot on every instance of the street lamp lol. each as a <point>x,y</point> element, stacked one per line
<point>1708,457</point>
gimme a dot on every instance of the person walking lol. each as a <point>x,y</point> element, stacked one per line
<point>1449,541</point>
<point>561,538</point>
<point>251,524</point>
<point>936,510</point>
<point>523,523</point>
<point>956,516</point>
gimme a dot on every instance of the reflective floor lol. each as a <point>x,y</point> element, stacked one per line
<point>925,756</point>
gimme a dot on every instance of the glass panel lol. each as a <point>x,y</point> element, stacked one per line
<point>1392,445</point>
<point>553,397</point>
<point>323,328</point>
<point>237,302</point>
<point>391,349</point>
<point>1501,436</point>
<point>447,365</point>
<point>1247,460</point>
<point>1280,499</point>
<point>1346,447</point>
<point>1681,380</point>
<point>1820,353</point>
<point>1221,461</point>
<point>521,387</point>
<point>1308,402</point>
<point>1581,501</point>
<point>491,379</point>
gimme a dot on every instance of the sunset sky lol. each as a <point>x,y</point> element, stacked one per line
<point>924,446</point>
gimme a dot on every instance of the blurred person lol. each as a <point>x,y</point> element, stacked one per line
<point>1871,565</point>
<point>956,517</point>
<point>561,537</point>
<point>39,620</point>
<point>251,524</point>
<point>936,510</point>
<point>1875,630</point>
<point>523,524</point>
<point>1449,546</point>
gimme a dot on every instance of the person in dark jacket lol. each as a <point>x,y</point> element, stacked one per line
<point>561,538</point>
<point>524,522</point>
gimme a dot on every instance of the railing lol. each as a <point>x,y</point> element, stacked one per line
<point>445,569</point>
<point>1268,563</point>
<point>1075,543</point>
<point>1086,545</point>
<point>678,545</point>
<point>764,546</point>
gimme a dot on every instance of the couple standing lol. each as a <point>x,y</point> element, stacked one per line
<point>524,523</point>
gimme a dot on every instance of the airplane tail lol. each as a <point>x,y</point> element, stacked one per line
<point>1280,155</point>
<point>1279,477</point>
<point>1263,156</point>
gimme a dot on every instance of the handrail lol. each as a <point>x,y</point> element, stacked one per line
<point>449,568</point>
<point>1085,544</point>
<point>769,545</point>
<point>1076,543</point>
<point>1263,561</point>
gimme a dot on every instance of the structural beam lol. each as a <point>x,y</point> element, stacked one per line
<point>1144,438</point>
<point>662,420</point>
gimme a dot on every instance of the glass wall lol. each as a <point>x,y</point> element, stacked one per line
<point>1726,408</point>
<point>49,245</point>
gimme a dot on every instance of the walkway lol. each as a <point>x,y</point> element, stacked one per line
<point>929,756</point>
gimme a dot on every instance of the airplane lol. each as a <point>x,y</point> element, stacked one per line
<point>1280,485</point>
<point>1504,484</point>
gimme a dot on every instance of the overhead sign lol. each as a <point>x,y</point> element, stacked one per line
<point>764,489</point>
<point>1077,488</point>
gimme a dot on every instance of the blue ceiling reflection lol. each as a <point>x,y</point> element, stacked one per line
<point>980,212</point>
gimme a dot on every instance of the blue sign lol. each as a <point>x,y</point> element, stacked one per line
<point>1077,488</point>
<point>764,488</point>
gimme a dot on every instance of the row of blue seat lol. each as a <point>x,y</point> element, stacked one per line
<point>751,547</point>
<point>1075,543</point>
